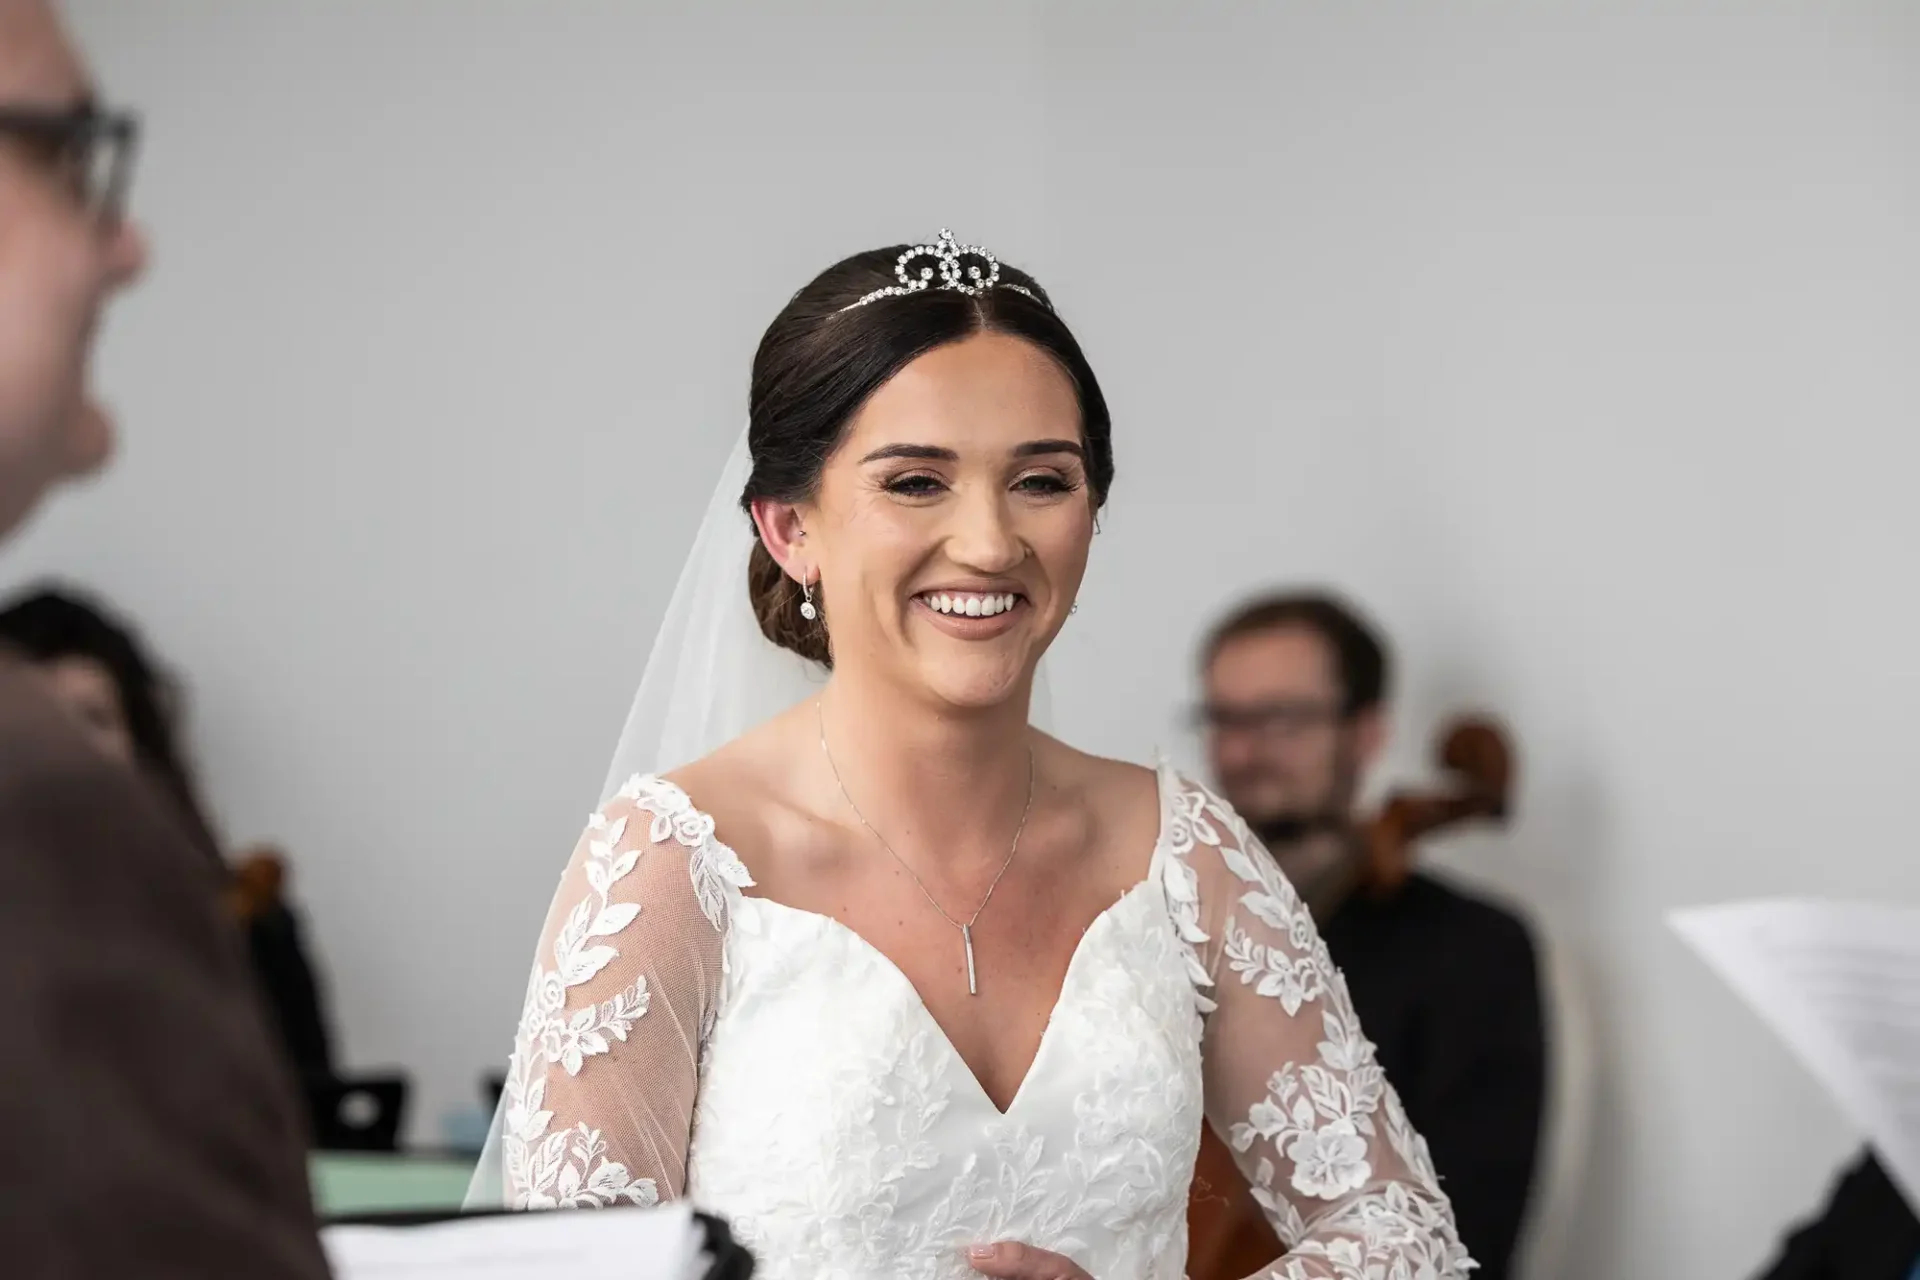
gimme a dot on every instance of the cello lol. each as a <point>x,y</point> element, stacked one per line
<point>1228,1237</point>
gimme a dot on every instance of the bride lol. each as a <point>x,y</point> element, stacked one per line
<point>895,982</point>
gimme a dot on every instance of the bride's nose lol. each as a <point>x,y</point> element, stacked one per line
<point>982,536</point>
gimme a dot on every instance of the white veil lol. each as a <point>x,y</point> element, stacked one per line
<point>711,676</point>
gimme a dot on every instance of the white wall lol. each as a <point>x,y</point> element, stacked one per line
<point>1582,347</point>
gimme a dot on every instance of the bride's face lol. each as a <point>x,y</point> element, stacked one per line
<point>951,527</point>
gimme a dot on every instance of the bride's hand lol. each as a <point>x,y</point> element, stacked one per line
<point>1022,1262</point>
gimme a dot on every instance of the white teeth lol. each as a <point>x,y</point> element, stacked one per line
<point>972,606</point>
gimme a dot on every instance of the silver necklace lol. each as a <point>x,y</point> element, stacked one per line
<point>966,929</point>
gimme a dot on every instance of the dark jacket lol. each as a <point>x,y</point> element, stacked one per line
<point>149,1127</point>
<point>1866,1231</point>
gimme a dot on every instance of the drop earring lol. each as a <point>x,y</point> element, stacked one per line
<point>807,610</point>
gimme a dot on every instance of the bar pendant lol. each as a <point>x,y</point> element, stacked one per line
<point>966,934</point>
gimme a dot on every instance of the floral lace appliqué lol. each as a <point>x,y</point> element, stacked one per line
<point>1329,1118</point>
<point>569,1167</point>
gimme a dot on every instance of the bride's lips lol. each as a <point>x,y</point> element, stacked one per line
<point>1009,607</point>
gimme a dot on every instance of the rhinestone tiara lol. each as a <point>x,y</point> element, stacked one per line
<point>945,256</point>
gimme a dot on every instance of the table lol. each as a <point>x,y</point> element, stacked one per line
<point>347,1182</point>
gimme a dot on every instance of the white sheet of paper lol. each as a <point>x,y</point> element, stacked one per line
<point>567,1244</point>
<point>1840,983</point>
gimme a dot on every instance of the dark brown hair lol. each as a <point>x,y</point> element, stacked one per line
<point>50,624</point>
<point>1359,656</point>
<point>817,364</point>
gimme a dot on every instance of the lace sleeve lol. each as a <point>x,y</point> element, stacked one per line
<point>1291,1083</point>
<point>600,1092</point>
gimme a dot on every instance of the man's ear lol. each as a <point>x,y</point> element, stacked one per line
<point>784,535</point>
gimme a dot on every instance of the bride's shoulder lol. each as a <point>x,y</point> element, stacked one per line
<point>1125,794</point>
<point>1129,795</point>
<point>738,776</point>
<point>740,792</point>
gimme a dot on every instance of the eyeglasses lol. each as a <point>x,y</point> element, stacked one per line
<point>1283,719</point>
<point>89,147</point>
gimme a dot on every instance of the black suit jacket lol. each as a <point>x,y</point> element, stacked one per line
<point>1448,989</point>
<point>146,1125</point>
<point>1866,1231</point>
<point>274,939</point>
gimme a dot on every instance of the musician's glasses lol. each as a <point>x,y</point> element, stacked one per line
<point>1286,719</point>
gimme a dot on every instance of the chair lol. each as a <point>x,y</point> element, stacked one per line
<point>1559,1186</point>
<point>359,1113</point>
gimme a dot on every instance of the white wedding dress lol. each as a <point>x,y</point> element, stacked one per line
<point>682,1038</point>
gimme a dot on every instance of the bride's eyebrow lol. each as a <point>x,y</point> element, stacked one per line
<point>1041,448</point>
<point>933,453</point>
<point>916,452</point>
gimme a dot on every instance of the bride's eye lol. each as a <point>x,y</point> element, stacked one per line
<point>915,486</point>
<point>1046,484</point>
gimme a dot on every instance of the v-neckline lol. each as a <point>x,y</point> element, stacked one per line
<point>833,924</point>
<point>919,1003</point>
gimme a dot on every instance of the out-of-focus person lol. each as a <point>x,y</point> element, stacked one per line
<point>119,696</point>
<point>1446,983</point>
<point>1865,1231</point>
<point>149,1129</point>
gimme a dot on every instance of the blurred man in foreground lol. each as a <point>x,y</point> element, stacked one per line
<point>148,1130</point>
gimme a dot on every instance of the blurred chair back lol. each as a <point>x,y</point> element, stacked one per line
<point>1567,1140</point>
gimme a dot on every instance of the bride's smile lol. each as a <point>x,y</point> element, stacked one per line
<point>961,607</point>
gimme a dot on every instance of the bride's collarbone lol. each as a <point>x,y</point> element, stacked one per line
<point>1088,840</point>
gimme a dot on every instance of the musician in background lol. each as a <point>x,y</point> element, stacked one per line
<point>1446,984</point>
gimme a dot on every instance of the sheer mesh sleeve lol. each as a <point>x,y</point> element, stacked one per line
<point>1291,1083</point>
<point>599,1097</point>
